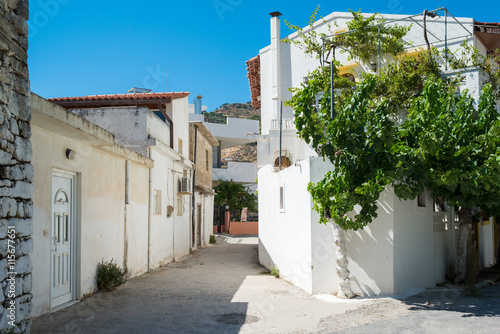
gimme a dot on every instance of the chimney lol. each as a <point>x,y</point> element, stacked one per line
<point>276,61</point>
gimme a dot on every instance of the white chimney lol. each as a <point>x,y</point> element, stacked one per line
<point>276,61</point>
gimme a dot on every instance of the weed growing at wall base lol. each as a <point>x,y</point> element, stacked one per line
<point>275,272</point>
<point>109,276</point>
<point>212,239</point>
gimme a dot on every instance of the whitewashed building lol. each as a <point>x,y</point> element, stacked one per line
<point>409,245</point>
<point>110,184</point>
<point>235,131</point>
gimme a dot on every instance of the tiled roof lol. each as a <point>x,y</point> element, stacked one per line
<point>493,24</point>
<point>138,96</point>
<point>254,79</point>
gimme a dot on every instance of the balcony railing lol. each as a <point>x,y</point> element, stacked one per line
<point>287,124</point>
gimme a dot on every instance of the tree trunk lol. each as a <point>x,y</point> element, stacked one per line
<point>465,225</point>
<point>342,262</point>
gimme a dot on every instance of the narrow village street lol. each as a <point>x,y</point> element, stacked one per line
<point>202,293</point>
<point>217,289</point>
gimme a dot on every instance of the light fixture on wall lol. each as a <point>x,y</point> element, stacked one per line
<point>226,207</point>
<point>70,154</point>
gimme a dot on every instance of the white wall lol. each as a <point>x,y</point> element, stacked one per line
<point>207,214</point>
<point>102,219</point>
<point>416,260</point>
<point>285,237</point>
<point>128,124</point>
<point>180,118</point>
<point>241,172</point>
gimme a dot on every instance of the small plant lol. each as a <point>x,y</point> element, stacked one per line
<point>264,272</point>
<point>212,239</point>
<point>275,272</point>
<point>109,275</point>
<point>87,295</point>
<point>8,331</point>
<point>472,291</point>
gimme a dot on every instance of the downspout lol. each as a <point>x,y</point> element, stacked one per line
<point>150,196</point>
<point>127,201</point>
<point>169,120</point>
<point>194,180</point>
<point>173,215</point>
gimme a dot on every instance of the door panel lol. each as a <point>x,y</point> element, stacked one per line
<point>198,230</point>
<point>61,249</point>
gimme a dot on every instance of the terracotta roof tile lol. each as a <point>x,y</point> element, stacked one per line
<point>254,79</point>
<point>494,24</point>
<point>138,96</point>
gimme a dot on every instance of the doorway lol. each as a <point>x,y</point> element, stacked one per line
<point>62,250</point>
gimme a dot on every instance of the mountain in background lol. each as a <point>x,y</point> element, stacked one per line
<point>236,110</point>
<point>247,152</point>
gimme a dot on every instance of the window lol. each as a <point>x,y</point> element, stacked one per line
<point>179,145</point>
<point>157,201</point>
<point>282,198</point>
<point>421,200</point>
<point>206,159</point>
<point>438,204</point>
<point>180,204</point>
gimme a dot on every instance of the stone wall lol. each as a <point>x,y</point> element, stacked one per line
<point>16,171</point>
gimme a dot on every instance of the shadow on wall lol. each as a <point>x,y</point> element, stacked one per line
<point>370,252</point>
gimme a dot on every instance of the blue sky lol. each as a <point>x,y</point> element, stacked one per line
<point>105,47</point>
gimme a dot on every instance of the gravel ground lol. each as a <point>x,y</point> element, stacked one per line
<point>439,310</point>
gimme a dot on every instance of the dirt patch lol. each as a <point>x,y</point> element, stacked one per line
<point>384,309</point>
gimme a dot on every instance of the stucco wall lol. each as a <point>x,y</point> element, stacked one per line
<point>203,160</point>
<point>128,124</point>
<point>304,250</point>
<point>162,227</point>
<point>285,237</point>
<point>108,228</point>
<point>421,255</point>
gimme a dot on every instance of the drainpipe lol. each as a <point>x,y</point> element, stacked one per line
<point>150,195</point>
<point>276,61</point>
<point>194,179</point>
<point>127,201</point>
<point>173,214</point>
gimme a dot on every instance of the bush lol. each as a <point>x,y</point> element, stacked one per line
<point>109,276</point>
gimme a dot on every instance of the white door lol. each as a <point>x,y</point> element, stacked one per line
<point>62,285</point>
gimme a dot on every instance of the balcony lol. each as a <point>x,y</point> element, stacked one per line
<point>287,124</point>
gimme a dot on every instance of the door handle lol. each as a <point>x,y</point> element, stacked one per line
<point>55,244</point>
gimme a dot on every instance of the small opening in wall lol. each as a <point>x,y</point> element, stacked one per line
<point>157,201</point>
<point>421,200</point>
<point>438,204</point>
<point>282,198</point>
<point>285,162</point>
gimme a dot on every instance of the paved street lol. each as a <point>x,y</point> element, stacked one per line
<point>199,294</point>
<point>217,289</point>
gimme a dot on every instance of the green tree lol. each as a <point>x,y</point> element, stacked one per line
<point>452,148</point>
<point>236,196</point>
<point>400,129</point>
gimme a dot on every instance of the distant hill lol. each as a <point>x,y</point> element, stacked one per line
<point>236,110</point>
<point>247,152</point>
